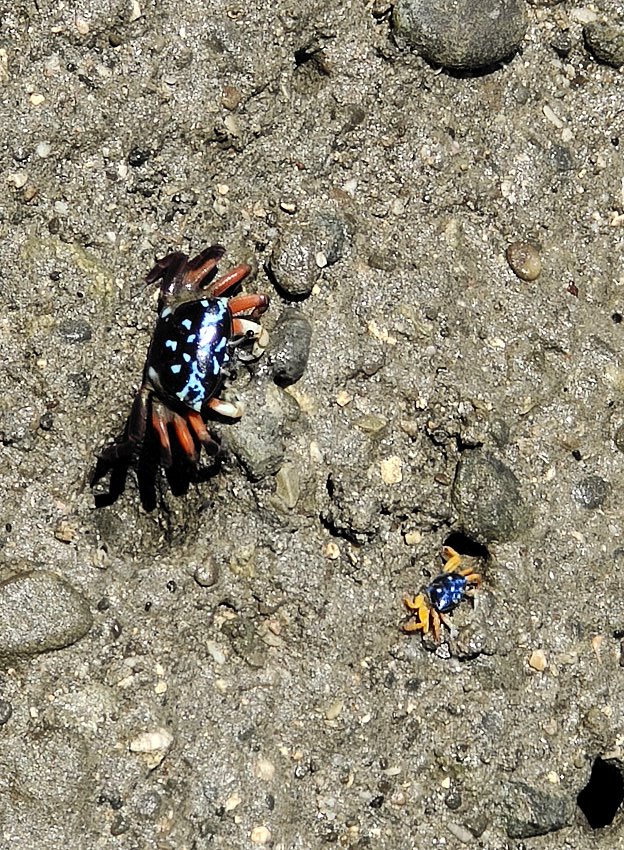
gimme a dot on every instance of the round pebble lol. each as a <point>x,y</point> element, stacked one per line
<point>40,611</point>
<point>206,573</point>
<point>465,34</point>
<point>524,260</point>
<point>605,42</point>
<point>590,492</point>
<point>290,347</point>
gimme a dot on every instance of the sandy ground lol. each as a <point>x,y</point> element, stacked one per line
<point>246,619</point>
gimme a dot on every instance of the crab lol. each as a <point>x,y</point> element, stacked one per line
<point>197,329</point>
<point>428,610</point>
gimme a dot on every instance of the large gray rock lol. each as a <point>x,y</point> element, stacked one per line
<point>463,34</point>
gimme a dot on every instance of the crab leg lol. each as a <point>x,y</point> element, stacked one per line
<point>228,281</point>
<point>258,304</point>
<point>137,425</point>
<point>201,432</point>
<point>159,424</point>
<point>184,437</point>
<point>228,409</point>
<point>202,266</point>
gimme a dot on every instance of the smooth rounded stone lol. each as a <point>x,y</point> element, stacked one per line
<point>590,492</point>
<point>530,811</point>
<point>605,42</point>
<point>303,250</point>
<point>524,260</point>
<point>463,34</point>
<point>290,347</point>
<point>40,611</point>
<point>486,493</point>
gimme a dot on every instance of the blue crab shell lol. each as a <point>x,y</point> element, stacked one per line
<point>189,349</point>
<point>446,591</point>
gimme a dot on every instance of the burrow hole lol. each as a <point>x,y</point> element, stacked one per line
<point>603,795</point>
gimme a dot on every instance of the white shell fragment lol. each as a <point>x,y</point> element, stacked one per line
<point>154,745</point>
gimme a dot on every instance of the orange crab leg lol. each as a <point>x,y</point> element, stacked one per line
<point>258,304</point>
<point>184,438</point>
<point>201,432</point>
<point>228,281</point>
<point>159,425</point>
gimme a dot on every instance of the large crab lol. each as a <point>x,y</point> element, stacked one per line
<point>198,325</point>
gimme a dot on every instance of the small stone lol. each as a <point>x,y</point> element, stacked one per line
<point>524,260</point>
<point>461,833</point>
<point>466,34</point>
<point>6,710</point>
<point>290,347</point>
<point>40,611</point>
<point>529,811</point>
<point>75,330</point>
<point>487,496</point>
<point>332,551</point>
<point>37,99</point>
<point>391,470</point>
<point>230,97</point>
<point>265,770</point>
<point>334,710</point>
<point>43,149</point>
<point>233,802</point>
<point>537,661</point>
<point>206,573</point>
<point>605,42</point>
<point>119,825</point>
<point>591,492</point>
<point>260,835</point>
<point>343,398</point>
<point>138,156</point>
<point>372,424</point>
<point>288,206</point>
<point>65,531</point>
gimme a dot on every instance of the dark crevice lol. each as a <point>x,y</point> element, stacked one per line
<point>603,795</point>
<point>465,545</point>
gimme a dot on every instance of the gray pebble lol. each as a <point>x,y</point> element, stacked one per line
<point>40,611</point>
<point>487,495</point>
<point>531,811</point>
<point>290,347</point>
<point>605,42</point>
<point>206,573</point>
<point>119,825</point>
<point>466,34</point>
<point>6,710</point>
<point>75,330</point>
<point>590,492</point>
<point>302,250</point>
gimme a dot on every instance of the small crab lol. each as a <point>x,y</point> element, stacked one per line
<point>428,610</point>
<point>197,328</point>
